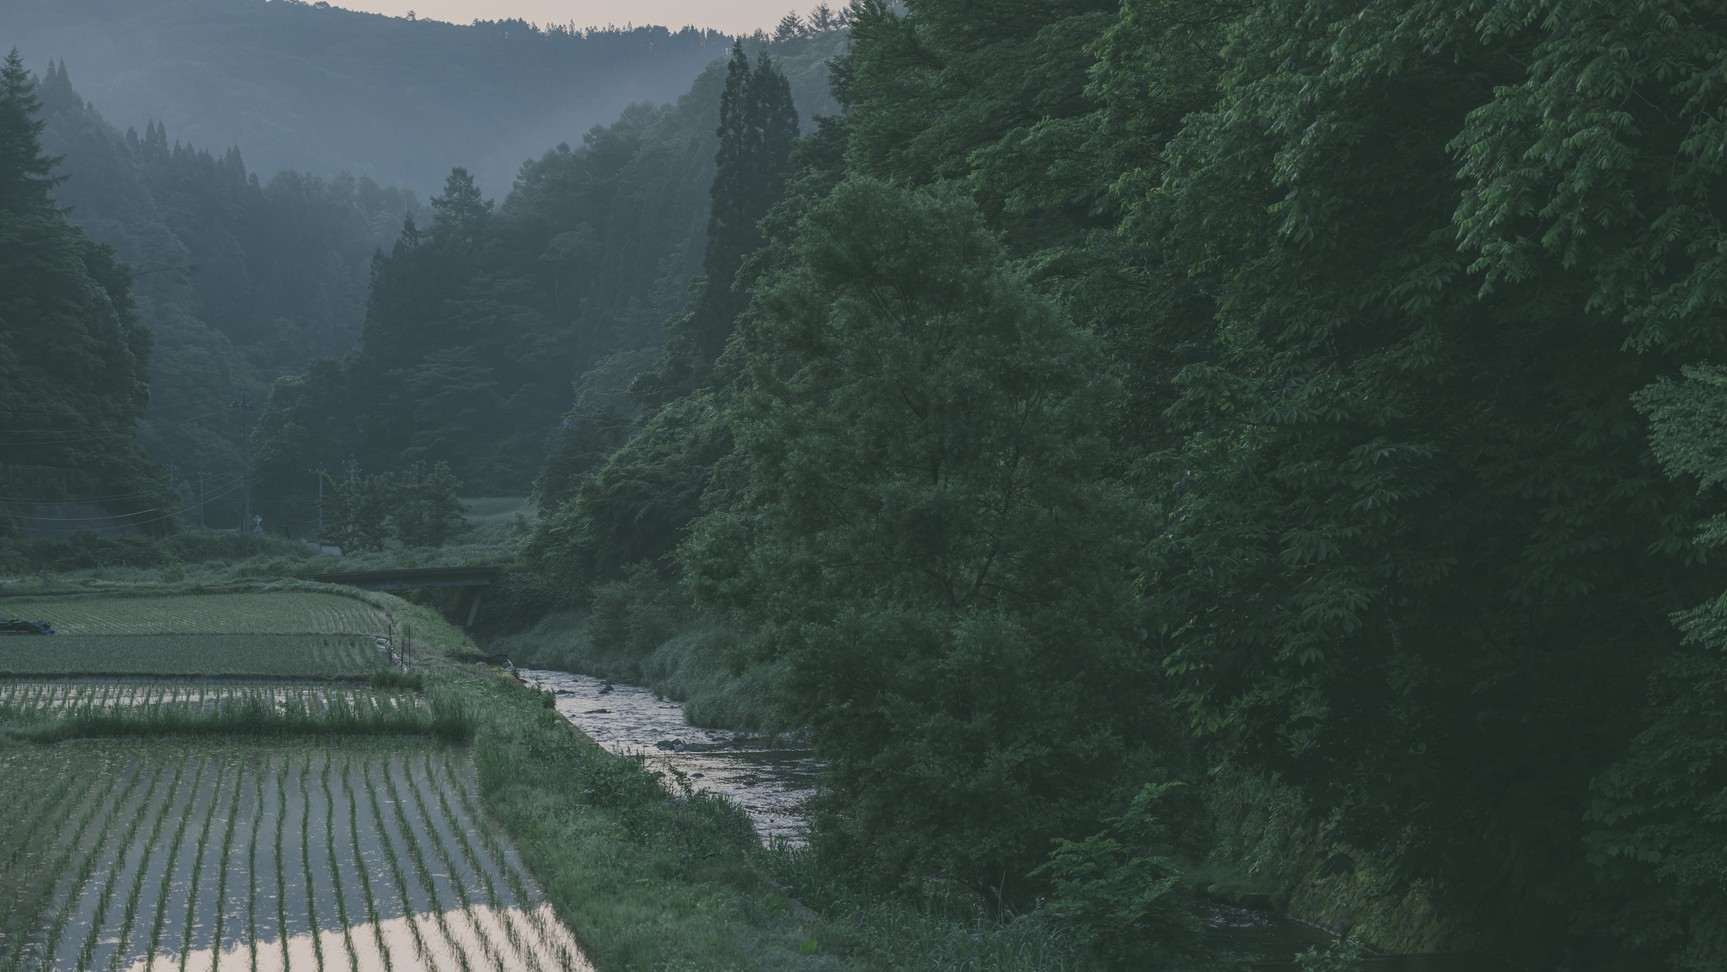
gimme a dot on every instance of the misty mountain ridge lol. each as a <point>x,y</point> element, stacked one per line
<point>324,90</point>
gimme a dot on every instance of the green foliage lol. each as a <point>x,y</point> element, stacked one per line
<point>26,175</point>
<point>635,509</point>
<point>912,522</point>
<point>758,124</point>
<point>418,506</point>
<point>73,358</point>
<point>1343,955</point>
<point>427,511</point>
<point>238,279</point>
<point>1121,889</point>
<point>478,324</point>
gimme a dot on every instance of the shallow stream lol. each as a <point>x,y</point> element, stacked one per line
<point>771,780</point>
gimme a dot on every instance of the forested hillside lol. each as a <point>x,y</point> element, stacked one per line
<point>324,91</point>
<point>237,279</point>
<point>73,356</point>
<point>1159,450</point>
<point>488,322</point>
<point>1145,407</point>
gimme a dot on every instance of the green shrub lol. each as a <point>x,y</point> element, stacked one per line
<point>1120,891</point>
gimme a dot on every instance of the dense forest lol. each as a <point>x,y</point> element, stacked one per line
<point>497,332</point>
<point>237,279</point>
<point>73,355</point>
<point>1318,396</point>
<point>323,90</point>
<point>1141,440</point>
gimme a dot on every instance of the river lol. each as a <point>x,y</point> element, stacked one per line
<point>771,778</point>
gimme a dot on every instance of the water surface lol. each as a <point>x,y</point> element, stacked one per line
<point>770,779</point>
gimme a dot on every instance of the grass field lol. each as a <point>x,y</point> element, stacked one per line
<point>208,856</point>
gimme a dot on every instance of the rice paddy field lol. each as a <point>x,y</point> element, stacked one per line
<point>126,855</point>
<point>23,700</point>
<point>298,613</point>
<point>140,841</point>
<point>192,654</point>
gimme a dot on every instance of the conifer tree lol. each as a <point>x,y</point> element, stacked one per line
<point>758,126</point>
<point>25,173</point>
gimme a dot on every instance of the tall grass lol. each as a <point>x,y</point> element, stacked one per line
<point>256,714</point>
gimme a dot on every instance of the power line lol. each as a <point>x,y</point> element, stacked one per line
<point>171,514</point>
<point>232,484</point>
<point>79,500</point>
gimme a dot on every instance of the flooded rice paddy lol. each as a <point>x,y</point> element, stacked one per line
<point>128,855</point>
<point>769,779</point>
<point>33,698</point>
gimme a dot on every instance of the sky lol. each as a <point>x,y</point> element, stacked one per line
<point>731,16</point>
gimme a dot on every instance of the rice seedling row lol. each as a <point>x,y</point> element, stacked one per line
<point>399,837</point>
<point>460,855</point>
<point>72,869</point>
<point>218,907</point>
<point>333,840</point>
<point>361,869</point>
<point>236,613</point>
<point>542,926</point>
<point>225,855</point>
<point>194,881</point>
<point>468,924</point>
<point>138,863</point>
<point>25,700</point>
<point>43,794</point>
<point>194,654</point>
<point>132,859</point>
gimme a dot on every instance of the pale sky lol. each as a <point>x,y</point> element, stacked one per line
<point>731,16</point>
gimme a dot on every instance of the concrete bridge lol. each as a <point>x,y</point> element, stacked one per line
<point>420,578</point>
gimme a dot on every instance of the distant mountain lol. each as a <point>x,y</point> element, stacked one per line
<point>323,90</point>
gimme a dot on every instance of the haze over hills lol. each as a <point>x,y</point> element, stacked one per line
<point>323,90</point>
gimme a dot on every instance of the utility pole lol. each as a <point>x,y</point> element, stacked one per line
<point>200,497</point>
<point>245,407</point>
<point>319,472</point>
<point>173,470</point>
<point>352,466</point>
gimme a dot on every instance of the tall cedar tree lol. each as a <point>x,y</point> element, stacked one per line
<point>26,175</point>
<point>72,357</point>
<point>758,126</point>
